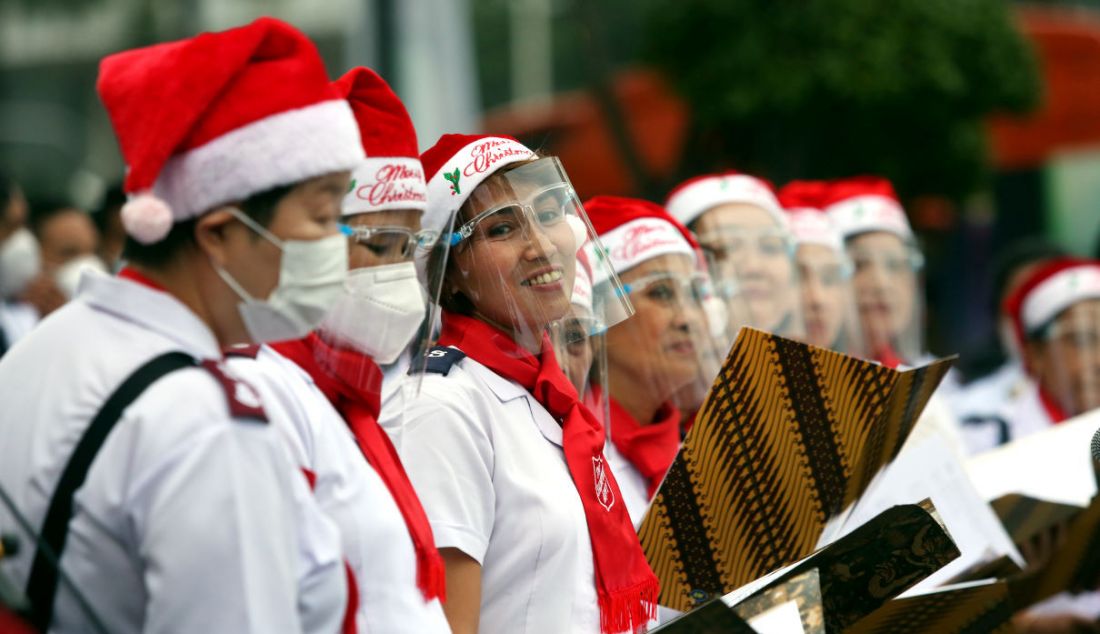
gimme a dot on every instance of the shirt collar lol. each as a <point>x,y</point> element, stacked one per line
<point>154,310</point>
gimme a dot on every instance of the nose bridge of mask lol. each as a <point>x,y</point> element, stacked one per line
<point>257,227</point>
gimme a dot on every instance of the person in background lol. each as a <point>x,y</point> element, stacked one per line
<point>69,242</point>
<point>658,350</point>
<point>824,270</point>
<point>509,464</point>
<point>981,404</point>
<point>748,247</point>
<point>327,386</point>
<point>20,262</point>
<point>191,517</point>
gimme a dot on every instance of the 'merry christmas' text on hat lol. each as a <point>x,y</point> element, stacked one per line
<point>220,117</point>
<point>633,231</point>
<point>693,197</point>
<point>865,203</point>
<point>1049,290</point>
<point>457,164</point>
<point>391,177</point>
<point>808,223</point>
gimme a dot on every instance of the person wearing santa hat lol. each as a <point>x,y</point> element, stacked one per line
<point>750,255</point>
<point>887,266</point>
<point>1056,315</point>
<point>509,464</point>
<point>128,444</point>
<point>328,384</point>
<point>656,352</point>
<point>824,271</point>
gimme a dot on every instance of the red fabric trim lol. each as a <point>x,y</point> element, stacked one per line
<point>311,478</point>
<point>649,448</point>
<point>129,273</point>
<point>349,626</point>
<point>1051,407</point>
<point>626,588</point>
<point>352,382</point>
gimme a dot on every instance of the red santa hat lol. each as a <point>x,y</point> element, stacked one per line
<point>866,203</point>
<point>1049,290</point>
<point>219,117</point>
<point>457,164</point>
<point>809,224</point>
<point>693,197</point>
<point>633,231</point>
<point>391,177</point>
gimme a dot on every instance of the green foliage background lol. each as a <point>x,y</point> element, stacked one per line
<point>827,88</point>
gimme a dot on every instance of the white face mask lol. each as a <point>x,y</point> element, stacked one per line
<point>68,276</point>
<point>311,279</point>
<point>380,311</point>
<point>19,262</point>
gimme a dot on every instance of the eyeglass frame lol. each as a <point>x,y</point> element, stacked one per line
<point>360,233</point>
<point>467,228</point>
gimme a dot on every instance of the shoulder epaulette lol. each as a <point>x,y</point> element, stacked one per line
<point>242,398</point>
<point>440,360</point>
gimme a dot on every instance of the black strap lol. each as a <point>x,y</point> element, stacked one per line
<point>42,582</point>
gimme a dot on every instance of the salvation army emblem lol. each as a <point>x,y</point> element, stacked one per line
<point>604,494</point>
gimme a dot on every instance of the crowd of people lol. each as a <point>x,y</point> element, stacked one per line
<point>297,376</point>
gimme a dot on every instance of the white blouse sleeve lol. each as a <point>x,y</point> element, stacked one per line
<point>447,451</point>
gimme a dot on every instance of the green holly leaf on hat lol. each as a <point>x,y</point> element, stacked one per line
<point>351,186</point>
<point>453,179</point>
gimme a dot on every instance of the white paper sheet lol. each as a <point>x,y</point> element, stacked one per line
<point>1053,465</point>
<point>781,619</point>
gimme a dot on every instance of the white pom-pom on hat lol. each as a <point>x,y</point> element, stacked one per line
<point>146,218</point>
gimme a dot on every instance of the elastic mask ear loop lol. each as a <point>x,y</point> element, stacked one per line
<point>234,285</point>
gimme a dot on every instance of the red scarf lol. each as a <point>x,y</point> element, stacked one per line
<point>352,382</point>
<point>1051,407</point>
<point>650,448</point>
<point>626,586</point>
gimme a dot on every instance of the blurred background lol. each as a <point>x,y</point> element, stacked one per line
<point>984,113</point>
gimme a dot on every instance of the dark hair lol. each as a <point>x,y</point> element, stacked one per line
<point>45,209</point>
<point>259,207</point>
<point>113,200</point>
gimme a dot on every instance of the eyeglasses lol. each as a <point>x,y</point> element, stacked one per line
<point>731,242</point>
<point>672,289</point>
<point>547,207</point>
<point>386,241</point>
<point>892,263</point>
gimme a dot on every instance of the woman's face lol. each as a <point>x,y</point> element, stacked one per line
<point>657,348</point>
<point>885,285</point>
<point>1067,362</point>
<point>517,266</point>
<point>382,247</point>
<point>824,293</point>
<point>745,244</point>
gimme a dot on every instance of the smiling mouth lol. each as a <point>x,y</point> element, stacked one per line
<point>543,279</point>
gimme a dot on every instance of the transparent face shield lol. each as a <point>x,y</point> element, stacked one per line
<point>751,259</point>
<point>828,303</point>
<point>888,286</point>
<point>665,353</point>
<point>514,258</point>
<point>1064,358</point>
<point>383,312</point>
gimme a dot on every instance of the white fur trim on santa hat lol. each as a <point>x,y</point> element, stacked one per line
<point>641,239</point>
<point>810,226</point>
<point>870,213</point>
<point>582,289</point>
<point>691,201</point>
<point>381,184</point>
<point>282,149</point>
<point>1057,293</point>
<point>463,172</point>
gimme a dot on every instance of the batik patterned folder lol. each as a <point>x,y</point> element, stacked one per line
<point>981,609</point>
<point>788,437</point>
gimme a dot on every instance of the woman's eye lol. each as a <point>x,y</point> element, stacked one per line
<point>500,230</point>
<point>773,246</point>
<point>549,216</point>
<point>661,291</point>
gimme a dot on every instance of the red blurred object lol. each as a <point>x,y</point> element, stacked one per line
<point>656,120</point>
<point>11,624</point>
<point>1067,42</point>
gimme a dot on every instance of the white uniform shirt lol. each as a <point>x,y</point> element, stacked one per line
<point>16,320</point>
<point>376,540</point>
<point>984,406</point>
<point>487,461</point>
<point>189,520</point>
<point>632,484</point>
